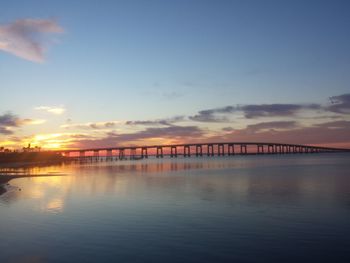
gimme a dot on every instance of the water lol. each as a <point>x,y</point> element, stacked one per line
<point>291,208</point>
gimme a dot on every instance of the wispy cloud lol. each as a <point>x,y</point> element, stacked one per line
<point>340,104</point>
<point>210,115</point>
<point>325,133</point>
<point>272,126</point>
<point>165,122</point>
<point>273,110</point>
<point>28,38</point>
<point>33,121</point>
<point>165,132</point>
<point>9,121</point>
<point>112,124</point>
<point>91,125</point>
<point>171,133</point>
<point>54,110</point>
<point>251,111</point>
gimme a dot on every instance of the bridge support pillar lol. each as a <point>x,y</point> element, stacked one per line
<point>260,148</point>
<point>159,152</point>
<point>283,149</point>
<point>199,150</point>
<point>144,153</point>
<point>173,151</point>
<point>82,156</point>
<point>210,150</point>
<point>270,149</point>
<point>96,155</point>
<point>243,149</point>
<point>132,153</point>
<point>121,154</point>
<point>231,149</point>
<point>221,149</point>
<point>278,149</point>
<point>109,156</point>
<point>187,151</point>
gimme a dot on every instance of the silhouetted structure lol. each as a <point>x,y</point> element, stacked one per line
<point>197,149</point>
<point>30,157</point>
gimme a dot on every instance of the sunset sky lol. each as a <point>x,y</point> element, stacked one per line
<point>76,74</point>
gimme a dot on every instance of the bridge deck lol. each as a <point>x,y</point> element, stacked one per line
<point>199,149</point>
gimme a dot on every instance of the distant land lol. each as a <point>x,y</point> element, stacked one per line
<point>29,157</point>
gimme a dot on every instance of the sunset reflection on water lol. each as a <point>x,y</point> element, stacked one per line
<point>123,209</point>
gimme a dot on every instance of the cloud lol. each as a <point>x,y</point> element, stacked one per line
<point>165,122</point>
<point>227,129</point>
<point>147,123</point>
<point>335,132</point>
<point>91,125</point>
<point>54,110</point>
<point>8,121</point>
<point>28,38</point>
<point>5,130</point>
<point>287,132</point>
<point>112,124</point>
<point>33,122</point>
<point>252,111</point>
<point>272,125</point>
<point>164,133</point>
<point>273,110</point>
<point>340,104</point>
<point>211,114</point>
<point>335,125</point>
<point>208,118</point>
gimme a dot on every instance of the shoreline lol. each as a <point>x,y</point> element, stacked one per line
<point>4,179</point>
<point>4,183</point>
<point>3,188</point>
<point>23,164</point>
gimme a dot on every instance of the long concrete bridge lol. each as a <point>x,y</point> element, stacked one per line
<point>196,149</point>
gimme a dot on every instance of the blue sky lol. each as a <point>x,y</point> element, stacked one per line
<point>147,60</point>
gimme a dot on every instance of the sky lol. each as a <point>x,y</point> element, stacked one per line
<point>81,74</point>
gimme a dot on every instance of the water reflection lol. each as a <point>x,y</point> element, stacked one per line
<point>258,180</point>
<point>199,209</point>
<point>55,205</point>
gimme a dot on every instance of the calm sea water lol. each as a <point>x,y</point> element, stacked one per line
<point>241,209</point>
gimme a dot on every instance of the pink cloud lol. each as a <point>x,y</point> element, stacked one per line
<point>328,133</point>
<point>28,38</point>
<point>334,133</point>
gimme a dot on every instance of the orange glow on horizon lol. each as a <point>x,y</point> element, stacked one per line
<point>72,141</point>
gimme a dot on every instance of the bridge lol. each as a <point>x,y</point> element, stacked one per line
<point>196,149</point>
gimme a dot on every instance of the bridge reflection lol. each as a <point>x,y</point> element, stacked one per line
<point>196,149</point>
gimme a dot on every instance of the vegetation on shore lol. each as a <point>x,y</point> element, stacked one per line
<point>14,157</point>
<point>31,155</point>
